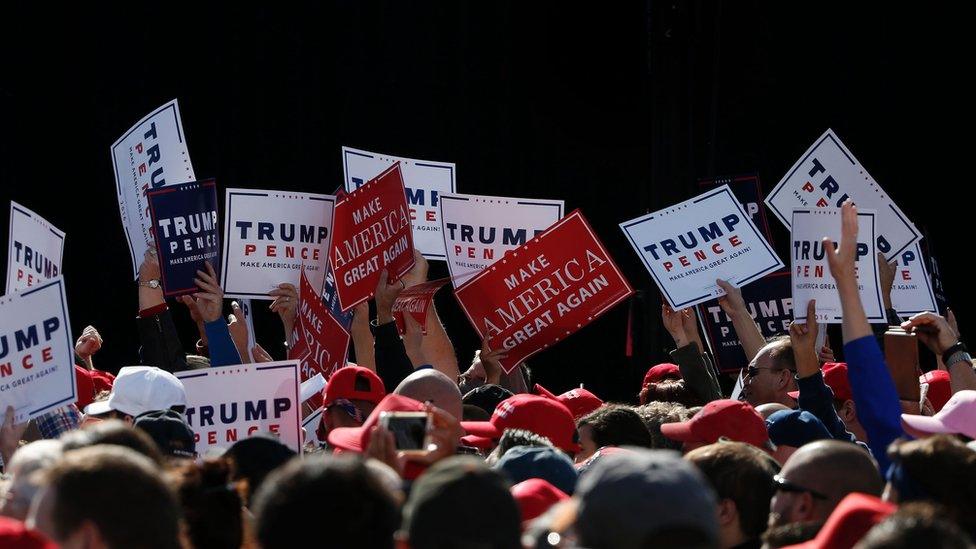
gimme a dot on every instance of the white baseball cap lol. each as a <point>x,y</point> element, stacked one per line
<point>141,389</point>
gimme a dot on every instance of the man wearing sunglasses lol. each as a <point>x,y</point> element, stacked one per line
<point>816,477</point>
<point>770,375</point>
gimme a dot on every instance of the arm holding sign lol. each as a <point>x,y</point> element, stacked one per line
<point>750,336</point>
<point>210,304</point>
<point>437,346</point>
<point>886,277</point>
<point>691,362</point>
<point>238,332</point>
<point>160,343</point>
<point>936,333</point>
<point>392,362</point>
<point>362,337</point>
<point>286,305</point>
<point>87,345</point>
<point>815,396</point>
<point>875,395</point>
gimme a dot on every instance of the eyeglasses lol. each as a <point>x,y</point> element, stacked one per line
<point>783,485</point>
<point>753,371</point>
<point>349,408</point>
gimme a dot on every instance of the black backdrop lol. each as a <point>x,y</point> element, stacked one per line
<point>617,107</point>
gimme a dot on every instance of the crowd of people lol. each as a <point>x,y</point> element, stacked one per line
<point>814,452</point>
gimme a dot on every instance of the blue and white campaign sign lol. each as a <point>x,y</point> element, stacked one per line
<point>478,230</point>
<point>688,246</point>
<point>270,235</point>
<point>34,250</point>
<point>331,299</point>
<point>231,403</point>
<point>37,360</point>
<point>424,182</point>
<point>748,190</point>
<point>151,154</point>
<point>770,302</point>
<point>911,291</point>
<point>186,232</point>
<point>827,175</point>
<point>811,272</point>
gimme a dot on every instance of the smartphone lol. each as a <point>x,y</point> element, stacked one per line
<point>409,430</point>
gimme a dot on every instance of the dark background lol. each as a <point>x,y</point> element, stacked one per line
<point>616,107</point>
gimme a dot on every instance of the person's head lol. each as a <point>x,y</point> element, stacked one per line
<point>525,462</point>
<point>770,408</point>
<point>116,433</point>
<point>853,517</point>
<point>726,418</point>
<point>535,496</point>
<point>429,385</point>
<point>254,458</point>
<point>939,468</point>
<point>15,535</point>
<point>668,390</point>
<point>788,535</point>
<point>835,377</point>
<point>169,430</point>
<point>460,503</point>
<point>211,507</point>
<point>957,417</point>
<point>770,374</point>
<point>339,495</point>
<point>25,481</point>
<point>512,438</point>
<point>611,425</point>
<point>350,396</point>
<point>106,496</point>
<point>486,397</point>
<point>817,476</point>
<point>644,498</point>
<point>140,389</point>
<point>533,413</point>
<point>916,525</point>
<point>579,401</point>
<point>791,429</point>
<point>939,387</point>
<point>655,414</point>
<point>742,477</point>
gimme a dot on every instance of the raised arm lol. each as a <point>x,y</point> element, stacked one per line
<point>157,334</point>
<point>392,362</point>
<point>437,346</point>
<point>750,336</point>
<point>362,337</point>
<point>878,405</point>
<point>210,305</point>
<point>937,334</point>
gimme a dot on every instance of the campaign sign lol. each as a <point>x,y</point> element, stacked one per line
<point>416,301</point>
<point>424,183</point>
<point>543,291</point>
<point>770,302</point>
<point>935,275</point>
<point>748,191</point>
<point>688,246</point>
<point>911,292</point>
<point>478,230</point>
<point>187,233</point>
<point>811,276</point>
<point>826,176</point>
<point>331,299</point>
<point>150,155</point>
<point>270,235</point>
<point>321,343</point>
<point>37,372</point>
<point>230,403</point>
<point>34,250</point>
<point>372,233</point>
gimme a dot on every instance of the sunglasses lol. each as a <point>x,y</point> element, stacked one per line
<point>783,485</point>
<point>753,371</point>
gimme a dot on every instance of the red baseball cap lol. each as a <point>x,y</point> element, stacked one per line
<point>835,376</point>
<point>535,496</point>
<point>662,371</point>
<point>90,383</point>
<point>540,415</point>
<point>579,401</point>
<point>940,390</point>
<point>356,439</point>
<point>732,419</point>
<point>343,384</point>
<point>849,522</point>
<point>14,535</point>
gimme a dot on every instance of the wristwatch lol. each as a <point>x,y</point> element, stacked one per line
<point>955,353</point>
<point>154,283</point>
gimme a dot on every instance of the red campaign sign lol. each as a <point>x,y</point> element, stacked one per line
<point>371,231</point>
<point>416,301</point>
<point>543,291</point>
<point>320,341</point>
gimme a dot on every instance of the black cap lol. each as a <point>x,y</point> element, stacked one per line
<point>254,457</point>
<point>487,397</point>
<point>170,432</point>
<point>489,516</point>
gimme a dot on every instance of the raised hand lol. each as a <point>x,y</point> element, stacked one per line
<point>674,325</point>
<point>237,327</point>
<point>932,330</point>
<point>10,435</point>
<point>385,295</point>
<point>88,344</point>
<point>286,305</point>
<point>418,273</point>
<point>210,300</point>
<point>731,303</point>
<point>886,275</point>
<point>843,259</point>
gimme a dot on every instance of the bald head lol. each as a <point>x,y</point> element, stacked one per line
<point>835,469</point>
<point>429,384</point>
<point>770,408</point>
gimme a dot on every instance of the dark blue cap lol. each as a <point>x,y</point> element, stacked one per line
<point>549,464</point>
<point>795,428</point>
